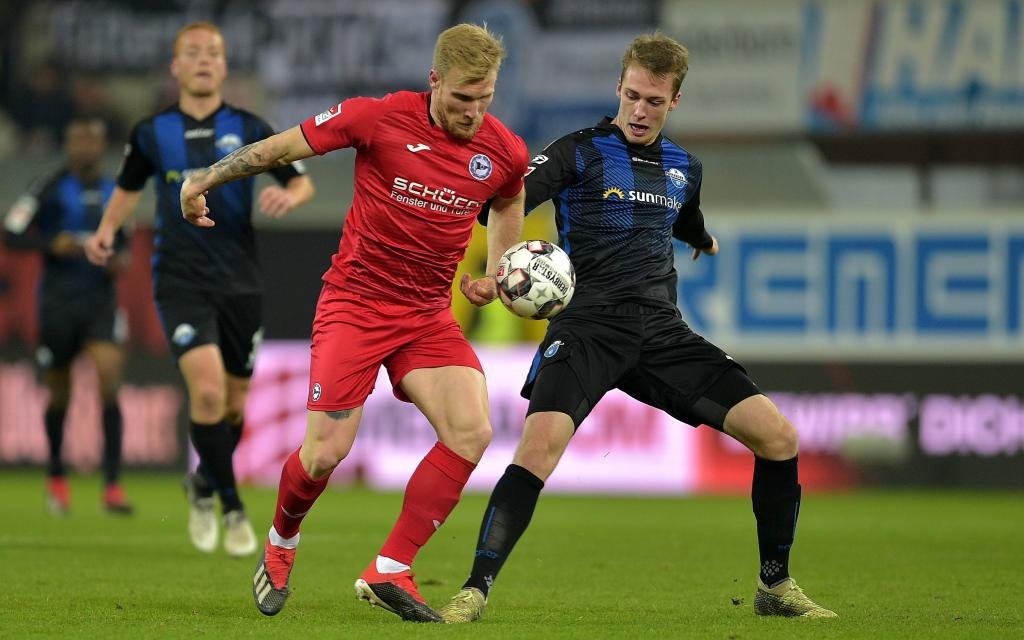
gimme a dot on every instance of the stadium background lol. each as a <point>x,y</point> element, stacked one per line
<point>863,175</point>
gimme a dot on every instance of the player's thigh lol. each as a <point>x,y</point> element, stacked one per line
<point>240,332</point>
<point>206,381</point>
<point>329,438</point>
<point>438,371</point>
<point>546,436</point>
<point>108,357</point>
<point>757,423</point>
<point>454,401</point>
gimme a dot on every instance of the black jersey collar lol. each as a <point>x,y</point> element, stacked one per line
<point>213,113</point>
<point>606,125</point>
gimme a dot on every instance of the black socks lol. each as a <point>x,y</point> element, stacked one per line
<point>776,499</point>
<point>213,443</point>
<point>112,435</point>
<point>507,515</point>
<point>54,421</point>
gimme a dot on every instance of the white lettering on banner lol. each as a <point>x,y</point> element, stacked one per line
<point>986,425</point>
<point>943,63</point>
<point>875,288</point>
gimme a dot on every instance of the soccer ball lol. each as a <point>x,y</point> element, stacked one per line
<point>535,279</point>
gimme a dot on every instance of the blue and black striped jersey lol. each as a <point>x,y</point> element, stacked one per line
<point>617,208</point>
<point>171,144</point>
<point>62,202</point>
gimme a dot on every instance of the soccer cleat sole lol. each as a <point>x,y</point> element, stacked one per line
<point>396,600</point>
<point>269,599</point>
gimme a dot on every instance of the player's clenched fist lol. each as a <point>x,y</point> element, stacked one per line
<point>193,205</point>
<point>99,247</point>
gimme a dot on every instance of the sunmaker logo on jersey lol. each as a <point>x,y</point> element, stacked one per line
<point>443,199</point>
<point>615,193</point>
<point>173,175</point>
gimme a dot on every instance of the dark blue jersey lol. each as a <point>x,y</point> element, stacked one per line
<point>171,144</point>
<point>617,208</point>
<point>59,203</point>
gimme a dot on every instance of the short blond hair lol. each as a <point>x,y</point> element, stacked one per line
<point>470,48</point>
<point>193,26</point>
<point>660,56</point>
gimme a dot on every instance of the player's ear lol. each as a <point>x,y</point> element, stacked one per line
<point>433,78</point>
<point>174,67</point>
<point>675,101</point>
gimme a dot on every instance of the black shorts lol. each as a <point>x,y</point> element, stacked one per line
<point>193,318</point>
<point>65,325</point>
<point>647,352</point>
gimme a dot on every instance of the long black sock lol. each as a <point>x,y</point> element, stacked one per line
<point>776,498</point>
<point>236,433</point>
<point>506,518</point>
<point>54,422</point>
<point>205,488</point>
<point>213,444</point>
<point>112,430</point>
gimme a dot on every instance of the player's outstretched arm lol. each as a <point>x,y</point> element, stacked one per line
<point>100,245</point>
<point>504,226</point>
<point>275,151</point>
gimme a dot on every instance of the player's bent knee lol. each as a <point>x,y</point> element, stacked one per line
<point>471,440</point>
<point>780,440</point>
<point>207,402</point>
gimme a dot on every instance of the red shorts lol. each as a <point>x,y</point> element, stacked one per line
<point>353,337</point>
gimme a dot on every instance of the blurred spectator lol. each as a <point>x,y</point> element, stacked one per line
<point>8,134</point>
<point>42,108</point>
<point>90,97</point>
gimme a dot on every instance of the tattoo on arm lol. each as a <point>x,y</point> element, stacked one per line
<point>241,163</point>
<point>339,415</point>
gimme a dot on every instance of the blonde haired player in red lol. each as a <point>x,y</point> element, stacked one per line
<point>425,165</point>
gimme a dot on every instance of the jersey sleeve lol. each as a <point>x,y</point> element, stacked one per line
<point>25,222</point>
<point>520,159</point>
<point>550,172</point>
<point>136,167</point>
<point>347,124</point>
<point>689,224</point>
<point>263,130</point>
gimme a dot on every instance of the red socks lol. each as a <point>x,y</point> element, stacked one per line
<point>295,496</point>
<point>433,491</point>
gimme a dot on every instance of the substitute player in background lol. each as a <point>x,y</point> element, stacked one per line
<point>425,164</point>
<point>77,300</point>
<point>207,285</point>
<point>622,191</point>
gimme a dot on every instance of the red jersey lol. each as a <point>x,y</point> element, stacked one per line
<point>418,191</point>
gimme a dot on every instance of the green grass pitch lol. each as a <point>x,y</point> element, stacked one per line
<point>907,564</point>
